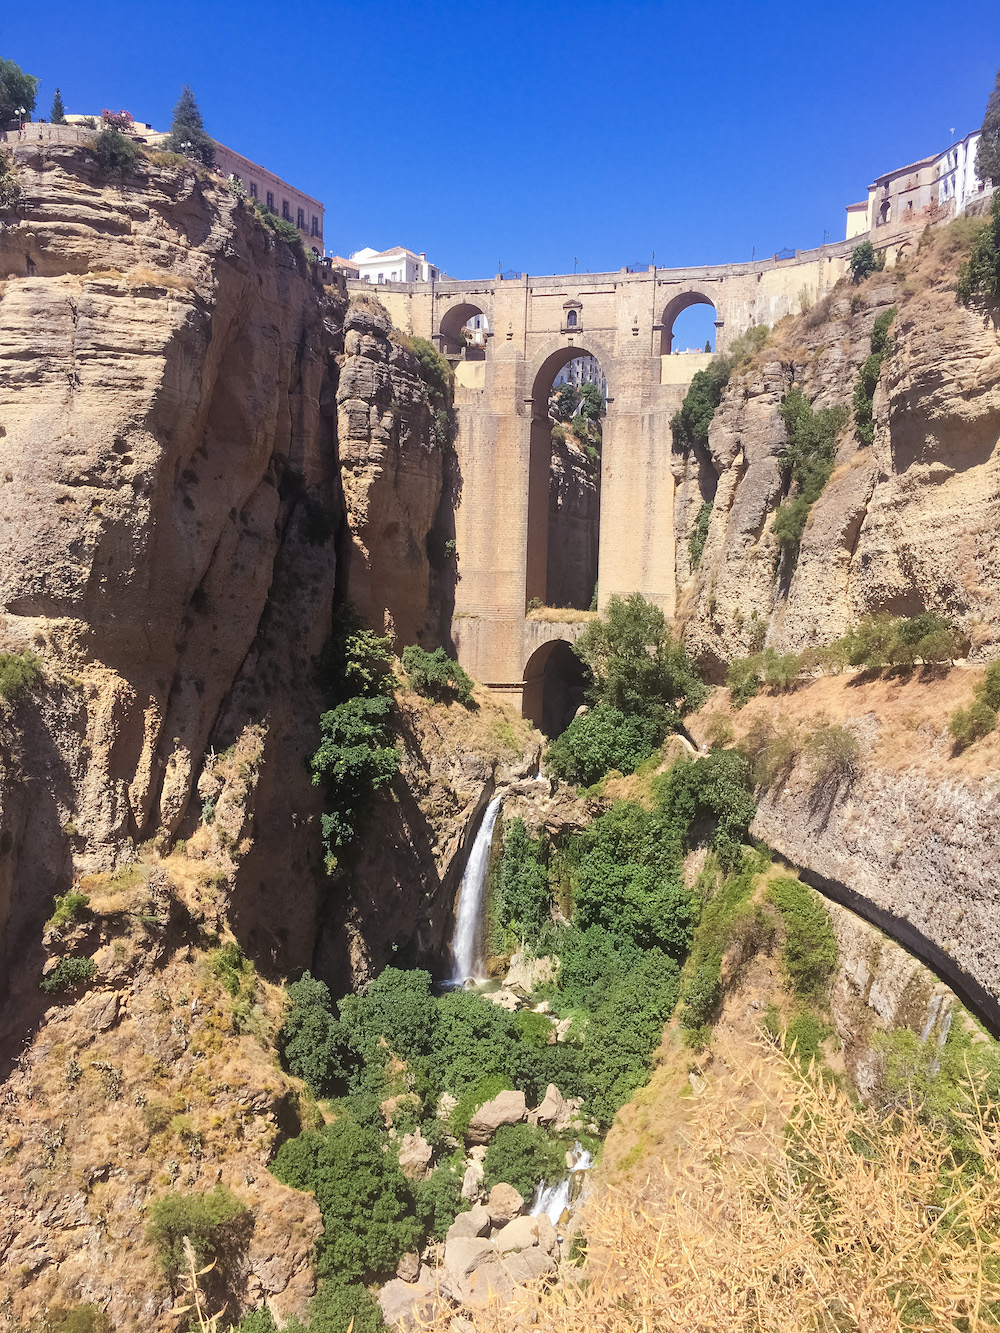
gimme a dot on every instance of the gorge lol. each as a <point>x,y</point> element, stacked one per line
<point>210,449</point>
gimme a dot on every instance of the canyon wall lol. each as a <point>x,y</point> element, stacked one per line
<point>904,525</point>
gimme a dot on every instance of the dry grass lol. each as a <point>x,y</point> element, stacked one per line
<point>105,275</point>
<point>909,713</point>
<point>560,615</point>
<point>842,1225</point>
<point>152,277</point>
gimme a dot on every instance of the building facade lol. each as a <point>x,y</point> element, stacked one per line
<point>935,187</point>
<point>395,265</point>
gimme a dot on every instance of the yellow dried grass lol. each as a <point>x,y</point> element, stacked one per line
<point>843,1225</point>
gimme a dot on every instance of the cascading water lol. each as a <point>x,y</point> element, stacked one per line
<point>467,942</point>
<point>554,1200</point>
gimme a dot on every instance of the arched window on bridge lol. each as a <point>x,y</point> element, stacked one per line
<point>564,500</point>
<point>464,332</point>
<point>688,325</point>
<point>571,319</point>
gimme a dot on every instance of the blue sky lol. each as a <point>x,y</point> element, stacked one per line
<point>536,134</point>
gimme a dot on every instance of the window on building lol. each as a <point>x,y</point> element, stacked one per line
<point>286,210</point>
<point>270,201</point>
<point>381,277</point>
<point>393,276</point>
<point>300,219</point>
<point>253,189</point>
<point>368,277</point>
<point>315,225</point>
<point>434,274</point>
<point>571,319</point>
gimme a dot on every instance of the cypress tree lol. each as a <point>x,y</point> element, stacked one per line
<point>58,112</point>
<point>988,152</point>
<point>187,133</point>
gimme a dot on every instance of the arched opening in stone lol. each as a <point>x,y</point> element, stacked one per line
<point>464,332</point>
<point>689,324</point>
<point>555,684</point>
<point>569,402</point>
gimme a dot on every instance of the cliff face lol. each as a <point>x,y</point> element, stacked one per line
<point>574,511</point>
<point>174,523</point>
<point>905,525</point>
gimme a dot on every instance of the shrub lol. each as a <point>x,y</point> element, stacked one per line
<point>19,674</point>
<point>396,1012</point>
<point>832,753</point>
<point>217,1224</point>
<point>719,732</point>
<point>437,676</point>
<point>344,1308</point>
<point>602,739</point>
<point>808,458</point>
<point>689,426</point>
<point>810,949</point>
<point>979,276</point>
<point>699,535</point>
<point>989,690</point>
<point>75,1319</point>
<point>771,752</point>
<point>868,377</point>
<point>863,262</point>
<point>364,1198</point>
<point>116,155</point>
<point>522,1155</point>
<point>355,758</point>
<point>971,724</point>
<point>804,1036</point>
<point>439,1201</point>
<point>69,973</point>
<point>743,679</point>
<point>68,907</point>
<point>435,371</point>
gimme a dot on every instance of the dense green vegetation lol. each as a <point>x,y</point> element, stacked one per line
<point>187,131</point>
<point>642,683</point>
<point>17,90</point>
<point>356,755</point>
<point>437,676</point>
<point>979,276</point>
<point>809,955</point>
<point>868,376</point>
<point>69,973</point>
<point>988,149</point>
<point>520,904</point>
<point>689,425</point>
<point>522,1155</point>
<point>808,461</point>
<point>864,261</point>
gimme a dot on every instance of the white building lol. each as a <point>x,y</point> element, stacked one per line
<point>395,265</point>
<point>582,370</point>
<point>934,188</point>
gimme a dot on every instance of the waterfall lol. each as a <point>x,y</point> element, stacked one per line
<point>467,942</point>
<point>553,1200</point>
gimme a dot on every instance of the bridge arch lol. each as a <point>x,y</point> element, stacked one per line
<point>676,306</point>
<point>555,684</point>
<point>544,371</point>
<point>454,319</point>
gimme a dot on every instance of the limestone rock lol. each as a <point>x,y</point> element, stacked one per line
<point>525,975</point>
<point>523,1232</point>
<point>415,1155</point>
<point>504,1204</point>
<point>507,1108</point>
<point>503,998</point>
<point>472,1181</point>
<point>553,1107</point>
<point>100,1010</point>
<point>475,1222</point>
<point>474,1271</point>
<point>408,1268</point>
<point>530,1264</point>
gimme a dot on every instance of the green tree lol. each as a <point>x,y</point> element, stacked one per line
<point>187,132</point>
<point>810,950</point>
<point>567,399</point>
<point>522,900</point>
<point>58,113</point>
<point>522,1155</point>
<point>344,1308</point>
<point>863,262</point>
<point>437,676</point>
<point>365,1200</point>
<point>398,1010</point>
<point>592,405</point>
<point>599,741</point>
<point>988,152</point>
<point>689,425</point>
<point>635,664</point>
<point>708,344</point>
<point>355,758</point>
<point>980,274</point>
<point>314,1046</point>
<point>217,1224</point>
<point>116,154</point>
<point>17,92</point>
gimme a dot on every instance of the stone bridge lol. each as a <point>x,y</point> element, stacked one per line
<point>534,326</point>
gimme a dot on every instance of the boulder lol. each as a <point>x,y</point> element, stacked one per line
<point>507,1108</point>
<point>415,1155</point>
<point>552,1107</point>
<point>474,1270</point>
<point>475,1222</point>
<point>472,1181</point>
<point>524,1232</point>
<point>408,1306</point>
<point>529,1265</point>
<point>525,975</point>
<point>504,999</point>
<point>504,1204</point>
<point>408,1268</point>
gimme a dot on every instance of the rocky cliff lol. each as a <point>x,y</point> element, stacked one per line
<point>574,513</point>
<point>904,525</point>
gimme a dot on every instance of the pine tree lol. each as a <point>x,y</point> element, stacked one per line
<point>988,152</point>
<point>187,133</point>
<point>58,112</point>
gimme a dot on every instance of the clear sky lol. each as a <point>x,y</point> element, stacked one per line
<point>536,134</point>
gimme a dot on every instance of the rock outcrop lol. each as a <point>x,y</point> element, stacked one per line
<point>905,525</point>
